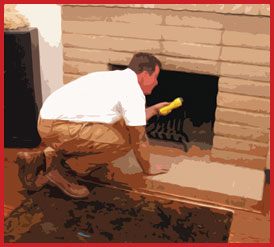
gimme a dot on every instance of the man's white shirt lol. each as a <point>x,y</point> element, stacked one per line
<point>102,97</point>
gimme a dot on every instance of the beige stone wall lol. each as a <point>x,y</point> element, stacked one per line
<point>242,9</point>
<point>231,41</point>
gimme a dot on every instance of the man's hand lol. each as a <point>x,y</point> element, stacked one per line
<point>154,110</point>
<point>156,170</point>
<point>141,149</point>
<point>158,106</point>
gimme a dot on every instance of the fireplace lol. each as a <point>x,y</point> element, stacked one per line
<point>218,59</point>
<point>191,124</point>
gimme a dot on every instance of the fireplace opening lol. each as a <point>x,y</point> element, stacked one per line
<point>193,122</point>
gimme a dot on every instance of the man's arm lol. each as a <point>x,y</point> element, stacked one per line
<point>141,149</point>
<point>150,112</point>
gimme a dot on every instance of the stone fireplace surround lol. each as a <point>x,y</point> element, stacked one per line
<point>229,41</point>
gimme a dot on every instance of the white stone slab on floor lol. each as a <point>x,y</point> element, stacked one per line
<point>202,175</point>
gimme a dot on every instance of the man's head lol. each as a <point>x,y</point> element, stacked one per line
<point>147,68</point>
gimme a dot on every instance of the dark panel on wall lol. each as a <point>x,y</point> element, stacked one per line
<point>22,88</point>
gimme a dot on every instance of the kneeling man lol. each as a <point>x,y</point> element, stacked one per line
<point>102,115</point>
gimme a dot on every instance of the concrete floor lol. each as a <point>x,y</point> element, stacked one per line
<point>250,223</point>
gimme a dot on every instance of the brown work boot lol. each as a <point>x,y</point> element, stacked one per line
<point>67,184</point>
<point>41,180</point>
<point>31,167</point>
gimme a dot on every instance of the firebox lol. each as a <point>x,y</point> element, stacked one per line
<point>193,122</point>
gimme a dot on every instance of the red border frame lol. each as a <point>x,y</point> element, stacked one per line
<point>2,126</point>
<point>2,130</point>
<point>139,245</point>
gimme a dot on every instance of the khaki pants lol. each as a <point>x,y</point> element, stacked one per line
<point>83,145</point>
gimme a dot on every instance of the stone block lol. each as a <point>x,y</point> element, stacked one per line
<point>193,19</point>
<point>85,55</point>
<point>265,9</point>
<point>245,55</point>
<point>241,132</point>
<point>239,159</point>
<point>121,59</point>
<point>230,8</point>
<point>69,77</point>
<point>252,9</point>
<point>244,39</point>
<point>245,87</point>
<point>243,118</point>
<point>240,9</point>
<point>80,68</point>
<point>189,65</point>
<point>246,24</point>
<point>116,29</point>
<point>110,43</point>
<point>103,13</point>
<point>192,178</point>
<point>208,7</point>
<point>96,56</point>
<point>191,35</point>
<point>176,6</point>
<point>240,146</point>
<point>244,71</point>
<point>243,102</point>
<point>190,50</point>
<point>188,173</point>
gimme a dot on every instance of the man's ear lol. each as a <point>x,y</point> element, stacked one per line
<point>146,74</point>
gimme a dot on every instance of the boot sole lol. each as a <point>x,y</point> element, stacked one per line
<point>63,189</point>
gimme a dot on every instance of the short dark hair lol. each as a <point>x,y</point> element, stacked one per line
<point>144,62</point>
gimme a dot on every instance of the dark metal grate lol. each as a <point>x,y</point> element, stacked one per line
<point>167,128</point>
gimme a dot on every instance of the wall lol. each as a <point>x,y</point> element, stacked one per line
<point>231,41</point>
<point>47,18</point>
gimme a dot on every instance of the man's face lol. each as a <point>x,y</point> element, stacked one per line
<point>150,81</point>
